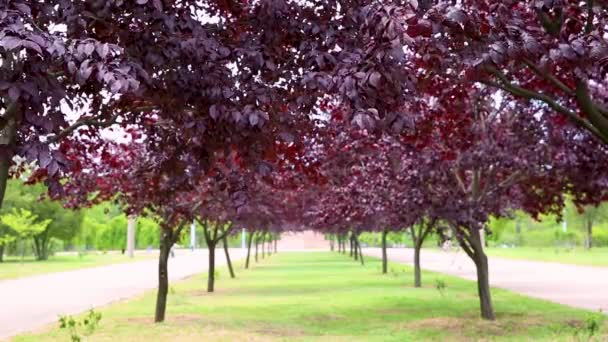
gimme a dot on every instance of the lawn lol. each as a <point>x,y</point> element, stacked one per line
<point>15,267</point>
<point>328,297</point>
<point>578,256</point>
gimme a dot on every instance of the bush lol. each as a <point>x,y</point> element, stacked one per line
<point>600,237</point>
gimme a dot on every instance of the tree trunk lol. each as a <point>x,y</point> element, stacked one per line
<point>257,242</point>
<point>41,246</point>
<point>228,261</point>
<point>275,244</point>
<point>163,277</point>
<point>483,277</point>
<point>356,252</point>
<point>249,249</point>
<point>384,256</point>
<point>263,245</point>
<point>417,274</point>
<point>211,270</point>
<point>331,242</point>
<point>350,245</point>
<point>358,246</point>
<point>483,286</point>
<point>270,242</point>
<point>589,233</point>
<point>7,140</point>
<point>1,253</point>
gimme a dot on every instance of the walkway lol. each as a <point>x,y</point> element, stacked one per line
<point>32,302</point>
<point>574,285</point>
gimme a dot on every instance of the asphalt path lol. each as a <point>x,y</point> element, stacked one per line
<point>32,302</point>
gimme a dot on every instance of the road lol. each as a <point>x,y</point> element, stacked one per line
<point>32,302</point>
<point>573,285</point>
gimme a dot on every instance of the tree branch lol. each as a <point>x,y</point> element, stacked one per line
<point>532,95</point>
<point>549,77</point>
<point>584,100</point>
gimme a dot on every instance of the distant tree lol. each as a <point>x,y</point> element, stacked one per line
<point>24,223</point>
<point>586,217</point>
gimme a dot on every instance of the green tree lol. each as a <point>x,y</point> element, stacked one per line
<point>14,198</point>
<point>586,218</point>
<point>63,224</point>
<point>24,223</point>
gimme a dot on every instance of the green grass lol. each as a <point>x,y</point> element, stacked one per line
<point>328,297</point>
<point>15,267</point>
<point>578,256</point>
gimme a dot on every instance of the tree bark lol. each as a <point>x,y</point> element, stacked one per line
<point>483,286</point>
<point>249,249</point>
<point>257,242</point>
<point>228,261</point>
<point>211,270</point>
<point>41,246</point>
<point>356,252</point>
<point>417,273</point>
<point>163,276</point>
<point>358,246</point>
<point>263,244</point>
<point>275,244</point>
<point>483,276</point>
<point>7,140</point>
<point>331,242</point>
<point>384,256</point>
<point>589,233</point>
<point>1,253</point>
<point>350,245</point>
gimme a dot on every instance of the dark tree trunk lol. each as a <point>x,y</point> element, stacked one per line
<point>483,286</point>
<point>483,275</point>
<point>351,245</point>
<point>356,252</point>
<point>211,270</point>
<point>7,140</point>
<point>263,244</point>
<point>257,242</point>
<point>358,246</point>
<point>41,246</point>
<point>163,276</point>
<point>417,274</point>
<point>589,233</point>
<point>384,256</point>
<point>1,253</point>
<point>228,261</point>
<point>249,249</point>
<point>275,244</point>
<point>331,242</point>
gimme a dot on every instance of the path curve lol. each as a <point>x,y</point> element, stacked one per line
<point>32,302</point>
<point>573,285</point>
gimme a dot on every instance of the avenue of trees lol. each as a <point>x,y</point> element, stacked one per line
<point>354,116</point>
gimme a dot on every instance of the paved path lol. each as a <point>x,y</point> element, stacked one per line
<point>32,302</point>
<point>574,285</point>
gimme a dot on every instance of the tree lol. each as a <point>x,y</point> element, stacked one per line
<point>550,53</point>
<point>24,223</point>
<point>215,233</point>
<point>65,225</point>
<point>45,68</point>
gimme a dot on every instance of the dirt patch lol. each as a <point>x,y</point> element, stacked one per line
<point>173,319</point>
<point>504,325</point>
<point>273,331</point>
<point>326,318</point>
